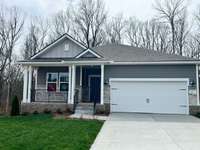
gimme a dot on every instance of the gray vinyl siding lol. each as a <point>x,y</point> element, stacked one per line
<point>150,71</point>
<point>57,51</point>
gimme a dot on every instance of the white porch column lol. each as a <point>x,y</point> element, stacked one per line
<point>29,83</point>
<point>197,83</point>
<point>73,83</point>
<point>70,87</point>
<point>25,86</point>
<point>102,84</point>
<point>36,78</point>
<point>81,75</point>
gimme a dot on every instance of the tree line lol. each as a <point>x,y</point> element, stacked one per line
<point>169,31</point>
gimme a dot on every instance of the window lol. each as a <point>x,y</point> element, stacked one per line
<point>57,80</point>
<point>52,79</point>
<point>63,81</point>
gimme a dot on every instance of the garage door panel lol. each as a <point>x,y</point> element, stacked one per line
<point>149,97</point>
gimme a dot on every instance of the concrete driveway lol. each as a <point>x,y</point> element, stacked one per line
<point>129,131</point>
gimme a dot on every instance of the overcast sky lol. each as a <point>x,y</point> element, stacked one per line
<point>142,9</point>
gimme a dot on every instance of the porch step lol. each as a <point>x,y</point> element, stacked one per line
<point>84,109</point>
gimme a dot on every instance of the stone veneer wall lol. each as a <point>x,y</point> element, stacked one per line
<point>45,107</point>
<point>194,110</point>
<point>102,109</point>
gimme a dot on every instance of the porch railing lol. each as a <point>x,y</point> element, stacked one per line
<point>42,95</point>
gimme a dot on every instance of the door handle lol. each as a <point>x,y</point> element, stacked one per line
<point>147,100</point>
<point>113,88</point>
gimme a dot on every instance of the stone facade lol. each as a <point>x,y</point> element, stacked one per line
<point>106,94</point>
<point>45,107</point>
<point>103,109</point>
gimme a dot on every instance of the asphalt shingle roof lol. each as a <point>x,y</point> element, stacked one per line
<point>125,53</point>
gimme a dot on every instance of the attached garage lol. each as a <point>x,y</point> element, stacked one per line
<point>154,95</point>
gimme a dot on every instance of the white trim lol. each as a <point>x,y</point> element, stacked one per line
<point>150,79</point>
<point>65,36</point>
<point>63,63</point>
<point>29,83</point>
<point>81,76</point>
<point>197,84</point>
<point>70,83</point>
<point>155,63</point>
<point>25,84</point>
<point>102,84</point>
<point>188,103</point>
<point>73,83</point>
<point>36,78</point>
<point>89,82</point>
<point>88,50</point>
<point>154,80</point>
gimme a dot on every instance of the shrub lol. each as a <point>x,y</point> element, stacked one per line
<point>15,106</point>
<point>59,111</point>
<point>47,111</point>
<point>35,112</point>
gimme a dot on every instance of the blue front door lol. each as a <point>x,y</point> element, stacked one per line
<point>95,83</point>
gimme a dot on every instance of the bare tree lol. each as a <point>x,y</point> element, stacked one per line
<point>194,40</point>
<point>11,26</point>
<point>37,36</point>
<point>169,12</point>
<point>149,34</point>
<point>132,31</point>
<point>62,23</point>
<point>89,19</point>
<point>115,29</point>
<point>182,31</point>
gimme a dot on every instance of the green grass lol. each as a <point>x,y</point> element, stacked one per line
<point>42,132</point>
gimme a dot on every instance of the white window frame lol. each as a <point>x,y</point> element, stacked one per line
<point>47,82</point>
<point>65,73</point>
<point>58,82</point>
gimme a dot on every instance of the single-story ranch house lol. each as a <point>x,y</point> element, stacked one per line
<point>110,78</point>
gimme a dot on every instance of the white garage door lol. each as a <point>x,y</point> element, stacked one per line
<point>169,96</point>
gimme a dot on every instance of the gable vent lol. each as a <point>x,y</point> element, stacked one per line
<point>66,48</point>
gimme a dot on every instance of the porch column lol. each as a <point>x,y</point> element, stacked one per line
<point>29,83</point>
<point>102,84</point>
<point>197,83</point>
<point>70,87</point>
<point>25,86</point>
<point>73,83</point>
<point>80,84</point>
<point>36,78</point>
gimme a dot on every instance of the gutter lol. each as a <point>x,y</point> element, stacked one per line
<point>63,63</point>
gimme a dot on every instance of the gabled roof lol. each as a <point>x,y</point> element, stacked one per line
<point>93,53</point>
<point>125,53</point>
<point>56,41</point>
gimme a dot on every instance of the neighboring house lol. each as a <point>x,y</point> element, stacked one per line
<point>119,78</point>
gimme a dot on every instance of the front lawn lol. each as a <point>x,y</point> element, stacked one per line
<point>42,132</point>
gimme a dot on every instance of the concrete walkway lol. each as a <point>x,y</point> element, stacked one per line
<point>129,131</point>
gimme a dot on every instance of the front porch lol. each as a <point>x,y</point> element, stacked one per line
<point>70,84</point>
